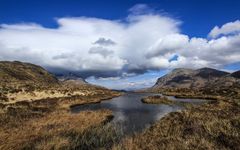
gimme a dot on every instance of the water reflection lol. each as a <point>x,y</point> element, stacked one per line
<point>133,115</point>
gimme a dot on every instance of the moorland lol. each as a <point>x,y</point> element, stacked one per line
<point>35,112</point>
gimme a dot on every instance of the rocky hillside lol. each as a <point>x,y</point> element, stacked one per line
<point>71,77</point>
<point>23,74</point>
<point>24,81</point>
<point>195,79</point>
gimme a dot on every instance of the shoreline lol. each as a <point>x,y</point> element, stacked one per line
<point>95,102</point>
<point>195,122</point>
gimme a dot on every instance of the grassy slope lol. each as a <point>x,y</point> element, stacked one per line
<point>46,124</point>
<point>18,73</point>
<point>23,81</point>
<point>45,121</point>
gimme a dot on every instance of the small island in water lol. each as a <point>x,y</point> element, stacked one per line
<point>157,99</point>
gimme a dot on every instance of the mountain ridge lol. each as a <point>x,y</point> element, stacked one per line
<point>25,73</point>
<point>25,81</point>
<point>199,78</point>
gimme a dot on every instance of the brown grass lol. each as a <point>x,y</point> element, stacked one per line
<point>34,111</point>
<point>211,126</point>
<point>157,100</point>
<point>47,124</point>
<point>206,97</point>
<point>59,130</point>
<point>10,95</point>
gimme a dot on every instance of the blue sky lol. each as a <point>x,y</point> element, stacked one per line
<point>199,16</point>
<point>119,62</point>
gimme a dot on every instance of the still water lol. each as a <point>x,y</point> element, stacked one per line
<point>133,115</point>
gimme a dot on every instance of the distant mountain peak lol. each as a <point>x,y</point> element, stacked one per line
<point>189,78</point>
<point>206,68</point>
<point>210,72</point>
<point>236,74</point>
<point>182,70</point>
<point>71,76</point>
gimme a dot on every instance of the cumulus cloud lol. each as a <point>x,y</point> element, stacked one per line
<point>107,48</point>
<point>228,28</point>
<point>169,44</point>
<point>124,83</point>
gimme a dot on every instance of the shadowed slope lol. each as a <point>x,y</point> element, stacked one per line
<point>188,78</point>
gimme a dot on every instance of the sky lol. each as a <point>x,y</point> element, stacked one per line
<point>121,44</point>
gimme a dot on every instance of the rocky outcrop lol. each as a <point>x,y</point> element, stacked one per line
<point>188,78</point>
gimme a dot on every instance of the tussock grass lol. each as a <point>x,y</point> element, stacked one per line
<point>61,130</point>
<point>211,126</point>
<point>206,97</point>
<point>48,124</point>
<point>34,111</point>
<point>157,99</point>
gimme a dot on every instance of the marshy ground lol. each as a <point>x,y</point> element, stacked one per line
<point>48,124</point>
<point>210,126</point>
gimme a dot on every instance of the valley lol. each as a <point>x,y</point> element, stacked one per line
<point>200,108</point>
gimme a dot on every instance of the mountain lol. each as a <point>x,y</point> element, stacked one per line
<point>210,73</point>
<point>236,74</point>
<point>74,82</point>
<point>188,78</point>
<point>24,81</point>
<point>18,73</point>
<point>70,76</point>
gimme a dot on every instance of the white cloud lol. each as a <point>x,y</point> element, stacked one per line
<point>123,83</point>
<point>140,9</point>
<point>138,43</point>
<point>104,42</point>
<point>228,28</point>
<point>101,51</point>
<point>168,44</point>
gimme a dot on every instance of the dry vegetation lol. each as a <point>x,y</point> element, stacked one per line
<point>34,111</point>
<point>188,93</point>
<point>212,93</point>
<point>211,126</point>
<point>60,130</point>
<point>34,114</point>
<point>47,124</point>
<point>23,81</point>
<point>157,99</point>
<point>14,94</point>
<point>215,125</point>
